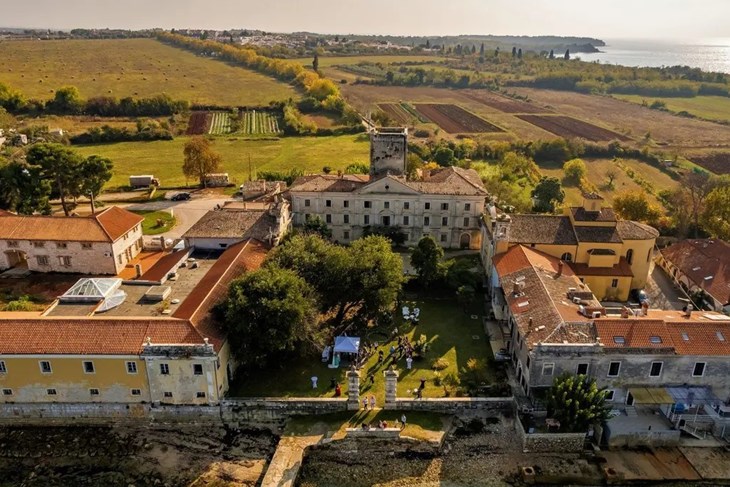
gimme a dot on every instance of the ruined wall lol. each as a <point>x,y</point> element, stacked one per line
<point>550,442</point>
<point>460,406</point>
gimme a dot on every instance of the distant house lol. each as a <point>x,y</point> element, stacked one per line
<point>701,265</point>
<point>98,244</point>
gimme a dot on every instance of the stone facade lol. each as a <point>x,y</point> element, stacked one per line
<point>550,442</point>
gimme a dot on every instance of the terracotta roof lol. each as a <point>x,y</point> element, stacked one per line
<point>581,215</point>
<point>229,223</point>
<point>597,234</point>
<point>634,333</point>
<point>330,182</point>
<point>542,229</point>
<point>106,226</point>
<point>622,269</point>
<point>631,230</point>
<point>90,335</point>
<point>701,338</point>
<point>700,259</point>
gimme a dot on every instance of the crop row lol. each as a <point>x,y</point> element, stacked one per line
<point>259,122</point>
<point>220,123</point>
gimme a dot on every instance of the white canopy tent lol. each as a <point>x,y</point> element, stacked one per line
<point>345,344</point>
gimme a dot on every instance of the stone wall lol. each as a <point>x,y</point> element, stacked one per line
<point>549,442</point>
<point>261,410</point>
<point>458,405</point>
<point>654,439</point>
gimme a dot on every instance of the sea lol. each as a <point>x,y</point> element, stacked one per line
<point>710,55</point>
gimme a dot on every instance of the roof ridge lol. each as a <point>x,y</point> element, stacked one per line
<point>95,217</point>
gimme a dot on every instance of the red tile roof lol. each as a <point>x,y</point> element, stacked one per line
<point>116,221</point>
<point>634,332</point>
<point>701,338</point>
<point>700,259</point>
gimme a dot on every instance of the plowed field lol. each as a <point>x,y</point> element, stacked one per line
<point>569,128</point>
<point>199,123</point>
<point>504,104</point>
<point>718,162</point>
<point>454,119</point>
<point>396,112</point>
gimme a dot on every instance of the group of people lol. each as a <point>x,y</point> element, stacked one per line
<point>383,424</point>
<point>368,401</point>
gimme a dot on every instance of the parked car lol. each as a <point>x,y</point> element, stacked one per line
<point>639,295</point>
<point>181,197</point>
<point>502,355</point>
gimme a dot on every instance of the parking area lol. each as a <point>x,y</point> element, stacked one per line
<point>662,292</point>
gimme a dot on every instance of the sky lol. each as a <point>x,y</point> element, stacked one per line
<point>685,20</point>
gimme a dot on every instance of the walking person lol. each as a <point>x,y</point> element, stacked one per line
<point>364,402</point>
<point>372,402</point>
<point>403,422</point>
<point>423,385</point>
<point>409,363</point>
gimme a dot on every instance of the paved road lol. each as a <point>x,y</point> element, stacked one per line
<point>187,213</point>
<point>662,292</point>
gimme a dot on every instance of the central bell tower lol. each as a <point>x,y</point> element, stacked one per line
<point>388,151</point>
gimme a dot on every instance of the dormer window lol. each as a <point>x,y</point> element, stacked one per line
<point>655,340</point>
<point>720,336</point>
<point>619,340</point>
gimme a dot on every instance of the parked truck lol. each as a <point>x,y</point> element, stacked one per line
<point>143,181</point>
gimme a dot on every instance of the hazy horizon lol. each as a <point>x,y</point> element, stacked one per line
<point>657,20</point>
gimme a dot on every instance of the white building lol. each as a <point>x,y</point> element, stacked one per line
<point>102,243</point>
<point>445,203</point>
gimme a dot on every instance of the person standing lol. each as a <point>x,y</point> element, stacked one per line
<point>403,422</point>
<point>314,381</point>
<point>364,402</point>
<point>372,402</point>
<point>409,363</point>
<point>423,385</point>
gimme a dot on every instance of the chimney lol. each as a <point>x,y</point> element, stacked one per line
<point>560,269</point>
<point>530,322</point>
<point>138,269</point>
<point>516,289</point>
<point>645,308</point>
<point>688,313</point>
<point>625,312</point>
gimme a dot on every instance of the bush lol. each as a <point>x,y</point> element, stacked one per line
<point>21,304</point>
<point>440,364</point>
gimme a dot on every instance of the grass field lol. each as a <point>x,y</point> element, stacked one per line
<point>152,219</point>
<point>164,158</point>
<point>707,107</point>
<point>132,67</point>
<point>326,62</point>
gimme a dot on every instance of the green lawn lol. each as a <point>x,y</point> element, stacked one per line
<point>451,334</point>
<point>164,158</point>
<point>707,107</point>
<point>150,224</point>
<point>132,67</point>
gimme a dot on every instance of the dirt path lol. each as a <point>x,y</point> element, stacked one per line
<point>287,460</point>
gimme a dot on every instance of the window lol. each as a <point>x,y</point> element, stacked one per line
<point>164,369</point>
<point>345,219</point>
<point>614,283</point>
<point>39,245</point>
<point>630,256</point>
<point>386,204</point>
<point>217,363</point>
<point>346,235</point>
<point>427,206</point>
<point>51,392</point>
<point>445,221</point>
<point>3,368</point>
<point>406,220</point>
<point>94,392</point>
<point>307,203</point>
<point>548,369</point>
<point>136,392</point>
<point>119,258</point>
<point>444,206</point>
<point>386,221</point>
<point>656,369</point>
<point>648,255</point>
<point>614,368</point>
<point>443,237</point>
<point>45,367</point>
<point>582,369</point>
<point>426,221</point>
<point>467,206</point>
<point>61,245</point>
<point>7,392</point>
<point>655,340</point>
<point>406,205</point>
<point>131,367</point>
<point>199,394</point>
<point>328,203</point>
<point>466,221</point>
<point>720,336</point>
<point>42,260</point>
<point>567,257</point>
<point>346,204</point>
<point>610,395</point>
<point>198,369</point>
<point>64,260</point>
<point>307,216</point>
<point>367,204</point>
<point>699,369</point>
<point>167,394</point>
<point>366,220</point>
<point>328,218</point>
<point>88,367</point>
<point>86,246</point>
<point>13,244</point>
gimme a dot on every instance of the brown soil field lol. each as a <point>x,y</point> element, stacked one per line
<point>634,120</point>
<point>503,103</point>
<point>322,120</point>
<point>569,128</point>
<point>396,112</point>
<point>454,119</point>
<point>199,123</point>
<point>717,162</point>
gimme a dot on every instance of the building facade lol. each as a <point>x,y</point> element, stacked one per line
<point>103,243</point>
<point>446,204</point>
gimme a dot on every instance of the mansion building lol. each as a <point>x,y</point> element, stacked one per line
<point>445,203</point>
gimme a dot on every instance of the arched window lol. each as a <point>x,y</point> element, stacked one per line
<point>567,257</point>
<point>630,256</point>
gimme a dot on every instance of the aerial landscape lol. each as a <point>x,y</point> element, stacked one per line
<point>309,244</point>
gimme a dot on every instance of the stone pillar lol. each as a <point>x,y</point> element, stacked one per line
<point>353,389</point>
<point>391,387</point>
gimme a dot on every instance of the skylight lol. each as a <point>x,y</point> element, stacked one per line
<point>619,340</point>
<point>696,268</point>
<point>685,336</point>
<point>655,339</point>
<point>720,336</point>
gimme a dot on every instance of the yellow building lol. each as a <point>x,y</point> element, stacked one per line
<point>612,256</point>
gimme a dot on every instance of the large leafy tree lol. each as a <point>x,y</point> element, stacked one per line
<point>94,172</point>
<point>23,189</point>
<point>575,170</point>
<point>547,194</point>
<point>200,159</point>
<point>67,100</point>
<point>634,205</point>
<point>60,165</point>
<point>316,225</point>
<point>270,313</point>
<point>716,214</point>
<point>377,274</point>
<point>577,402</point>
<point>426,259</point>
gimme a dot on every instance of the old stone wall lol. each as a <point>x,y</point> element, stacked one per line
<point>459,406</point>
<point>257,410</point>
<point>550,442</point>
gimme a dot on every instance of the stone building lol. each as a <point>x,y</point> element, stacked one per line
<point>611,256</point>
<point>446,203</point>
<point>102,243</point>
